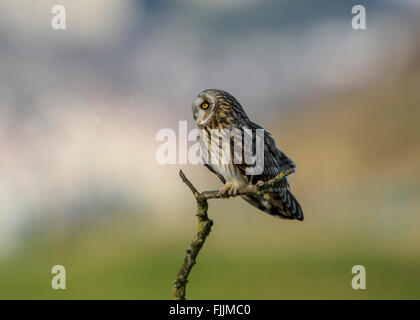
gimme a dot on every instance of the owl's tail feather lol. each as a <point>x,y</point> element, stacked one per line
<point>285,203</point>
<point>282,204</point>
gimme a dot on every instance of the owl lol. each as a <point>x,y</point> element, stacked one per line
<point>217,114</point>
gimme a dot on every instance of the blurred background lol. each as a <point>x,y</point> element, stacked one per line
<point>80,185</point>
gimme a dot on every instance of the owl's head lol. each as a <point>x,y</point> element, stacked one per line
<point>216,104</point>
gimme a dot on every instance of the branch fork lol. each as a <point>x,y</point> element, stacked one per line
<point>205,224</point>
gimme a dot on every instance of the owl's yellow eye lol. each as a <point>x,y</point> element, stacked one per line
<point>204,105</point>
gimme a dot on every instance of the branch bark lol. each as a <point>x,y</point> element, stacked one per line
<point>205,224</point>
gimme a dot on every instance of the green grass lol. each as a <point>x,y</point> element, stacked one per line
<point>99,267</point>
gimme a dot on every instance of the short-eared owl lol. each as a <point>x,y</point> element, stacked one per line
<point>217,109</point>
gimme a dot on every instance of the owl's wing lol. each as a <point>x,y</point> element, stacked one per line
<point>282,202</point>
<point>275,161</point>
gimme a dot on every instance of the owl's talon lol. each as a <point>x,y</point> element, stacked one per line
<point>223,195</point>
<point>224,190</point>
<point>234,190</point>
<point>259,183</point>
<point>229,189</point>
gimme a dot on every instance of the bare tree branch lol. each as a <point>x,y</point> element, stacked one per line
<point>205,224</point>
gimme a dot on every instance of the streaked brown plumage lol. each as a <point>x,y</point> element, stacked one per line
<point>217,109</point>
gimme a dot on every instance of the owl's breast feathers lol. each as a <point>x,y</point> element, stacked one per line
<point>279,200</point>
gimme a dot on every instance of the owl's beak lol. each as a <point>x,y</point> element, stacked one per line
<point>203,121</point>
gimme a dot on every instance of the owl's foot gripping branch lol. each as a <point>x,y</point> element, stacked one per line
<point>205,224</point>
